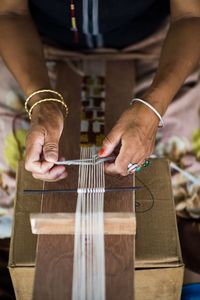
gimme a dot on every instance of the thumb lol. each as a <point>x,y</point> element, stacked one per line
<point>110,142</point>
<point>50,148</point>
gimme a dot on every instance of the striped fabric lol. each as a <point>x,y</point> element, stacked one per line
<point>105,23</point>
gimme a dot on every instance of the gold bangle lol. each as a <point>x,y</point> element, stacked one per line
<point>48,100</point>
<point>38,92</point>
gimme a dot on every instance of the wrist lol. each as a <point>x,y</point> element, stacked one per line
<point>46,109</point>
<point>143,115</point>
<point>150,107</point>
<point>39,96</point>
<point>158,98</point>
<point>45,100</point>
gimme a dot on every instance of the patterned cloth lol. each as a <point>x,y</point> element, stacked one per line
<point>97,23</point>
<point>13,126</point>
<point>92,110</point>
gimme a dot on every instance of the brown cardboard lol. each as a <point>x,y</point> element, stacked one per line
<point>159,268</point>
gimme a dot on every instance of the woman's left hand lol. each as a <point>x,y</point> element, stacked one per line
<point>135,133</point>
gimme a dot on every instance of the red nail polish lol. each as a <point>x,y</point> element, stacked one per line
<point>101,152</point>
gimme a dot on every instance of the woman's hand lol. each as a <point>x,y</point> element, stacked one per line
<point>135,133</point>
<point>42,142</point>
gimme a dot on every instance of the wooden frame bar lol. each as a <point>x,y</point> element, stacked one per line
<point>64,223</point>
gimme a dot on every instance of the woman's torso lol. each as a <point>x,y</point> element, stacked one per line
<point>100,23</point>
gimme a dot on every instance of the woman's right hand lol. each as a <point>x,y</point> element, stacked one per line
<point>42,142</point>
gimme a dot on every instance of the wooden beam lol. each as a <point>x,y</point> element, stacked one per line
<point>54,261</point>
<point>64,223</point>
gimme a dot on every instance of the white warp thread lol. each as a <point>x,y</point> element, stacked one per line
<point>89,258</point>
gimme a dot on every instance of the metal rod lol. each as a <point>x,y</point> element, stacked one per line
<point>87,161</point>
<point>114,189</point>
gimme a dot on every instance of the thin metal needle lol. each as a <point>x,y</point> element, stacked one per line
<point>89,161</point>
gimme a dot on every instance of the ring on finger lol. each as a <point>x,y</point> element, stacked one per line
<point>134,167</point>
<point>139,168</point>
<point>131,167</point>
<point>132,171</point>
<point>146,163</point>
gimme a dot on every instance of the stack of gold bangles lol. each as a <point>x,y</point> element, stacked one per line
<point>60,100</point>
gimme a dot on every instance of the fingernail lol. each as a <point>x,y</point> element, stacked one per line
<point>63,175</point>
<point>101,152</point>
<point>62,159</point>
<point>60,171</point>
<point>50,158</point>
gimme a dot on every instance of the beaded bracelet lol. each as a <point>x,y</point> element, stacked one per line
<point>47,100</point>
<point>152,108</point>
<point>38,92</point>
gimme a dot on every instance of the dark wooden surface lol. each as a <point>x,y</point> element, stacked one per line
<point>6,287</point>
<point>54,262</point>
<point>54,257</point>
<point>119,251</point>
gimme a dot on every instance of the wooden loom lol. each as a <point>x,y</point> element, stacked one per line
<point>55,223</point>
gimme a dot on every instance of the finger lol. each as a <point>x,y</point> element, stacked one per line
<point>142,160</point>
<point>111,169</point>
<point>142,151</point>
<point>152,145</point>
<point>110,141</point>
<point>146,156</point>
<point>55,173</point>
<point>121,163</point>
<point>34,145</point>
<point>62,158</point>
<point>50,149</point>
<point>62,176</point>
<point>129,153</point>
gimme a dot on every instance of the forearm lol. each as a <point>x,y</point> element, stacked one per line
<point>179,56</point>
<point>21,49</point>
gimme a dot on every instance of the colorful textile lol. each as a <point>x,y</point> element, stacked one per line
<point>13,127</point>
<point>92,111</point>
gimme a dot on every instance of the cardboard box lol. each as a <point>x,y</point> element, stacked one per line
<point>159,267</point>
